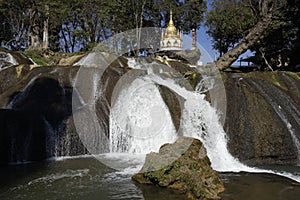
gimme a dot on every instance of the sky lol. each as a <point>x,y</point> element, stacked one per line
<point>208,54</point>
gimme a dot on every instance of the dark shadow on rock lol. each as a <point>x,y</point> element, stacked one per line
<point>22,138</point>
<point>46,97</point>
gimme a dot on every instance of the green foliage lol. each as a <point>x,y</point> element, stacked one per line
<point>280,45</point>
<point>14,26</point>
<point>39,58</point>
<point>80,24</point>
<point>229,21</point>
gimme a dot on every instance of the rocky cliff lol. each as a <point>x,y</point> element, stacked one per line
<point>262,118</point>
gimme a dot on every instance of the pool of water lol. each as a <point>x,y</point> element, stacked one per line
<point>75,178</point>
<point>87,178</point>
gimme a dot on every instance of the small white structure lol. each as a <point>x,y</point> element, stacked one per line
<point>171,38</point>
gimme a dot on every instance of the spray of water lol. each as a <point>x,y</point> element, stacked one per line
<point>140,121</point>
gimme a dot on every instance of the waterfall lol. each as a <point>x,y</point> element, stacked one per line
<point>23,94</point>
<point>60,142</point>
<point>200,120</point>
<point>134,128</point>
<point>140,121</point>
<point>51,140</point>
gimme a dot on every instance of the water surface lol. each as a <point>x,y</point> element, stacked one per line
<point>87,178</point>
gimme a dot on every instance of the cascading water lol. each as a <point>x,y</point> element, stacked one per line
<point>132,113</point>
<point>22,94</point>
<point>199,120</point>
<point>140,121</point>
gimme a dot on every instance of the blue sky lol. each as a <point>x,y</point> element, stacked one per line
<point>205,43</point>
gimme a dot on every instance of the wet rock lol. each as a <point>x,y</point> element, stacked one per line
<point>182,166</point>
<point>11,58</point>
<point>70,60</point>
<point>47,92</point>
<point>262,120</point>
<point>174,103</point>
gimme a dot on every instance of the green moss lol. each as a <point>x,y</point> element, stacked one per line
<point>46,57</point>
<point>201,193</point>
<point>271,77</point>
<point>194,167</point>
<point>167,169</point>
<point>193,78</point>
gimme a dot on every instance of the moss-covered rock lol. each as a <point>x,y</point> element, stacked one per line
<point>262,114</point>
<point>183,166</point>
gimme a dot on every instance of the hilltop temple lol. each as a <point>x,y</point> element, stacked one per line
<point>171,38</point>
<point>171,44</point>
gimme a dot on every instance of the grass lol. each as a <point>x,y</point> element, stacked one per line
<point>47,57</point>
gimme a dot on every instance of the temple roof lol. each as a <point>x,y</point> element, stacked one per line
<point>171,38</point>
<point>171,29</point>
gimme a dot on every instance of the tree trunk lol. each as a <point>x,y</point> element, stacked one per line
<point>34,28</point>
<point>267,8</point>
<point>254,36</point>
<point>46,29</point>
<point>139,24</point>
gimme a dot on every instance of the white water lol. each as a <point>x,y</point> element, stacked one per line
<point>200,120</point>
<point>140,123</point>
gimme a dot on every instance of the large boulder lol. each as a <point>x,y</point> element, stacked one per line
<point>183,166</point>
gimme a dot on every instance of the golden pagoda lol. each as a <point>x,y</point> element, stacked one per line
<point>171,38</point>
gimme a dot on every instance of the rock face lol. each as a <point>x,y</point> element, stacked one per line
<point>22,137</point>
<point>10,58</point>
<point>183,166</point>
<point>37,107</point>
<point>262,120</point>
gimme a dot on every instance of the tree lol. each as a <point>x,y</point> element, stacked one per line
<point>35,32</point>
<point>228,22</point>
<point>81,24</point>
<point>275,50</point>
<point>267,11</point>
<point>14,24</point>
<point>192,15</point>
<point>295,18</point>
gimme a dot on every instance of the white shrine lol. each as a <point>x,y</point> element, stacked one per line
<point>171,38</point>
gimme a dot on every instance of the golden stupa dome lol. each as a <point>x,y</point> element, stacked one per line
<point>171,38</point>
<point>171,29</point>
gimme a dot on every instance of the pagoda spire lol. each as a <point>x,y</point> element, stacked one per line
<point>171,29</point>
